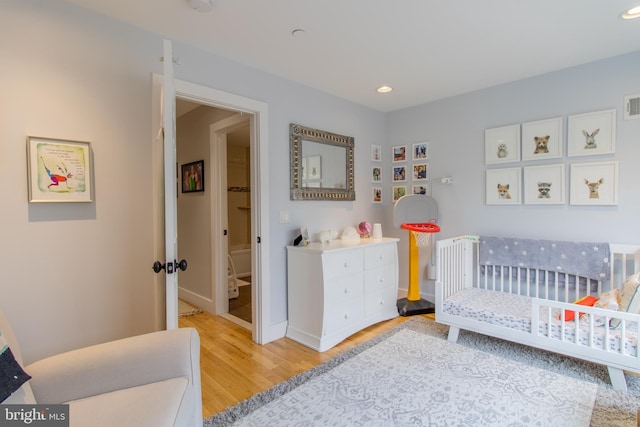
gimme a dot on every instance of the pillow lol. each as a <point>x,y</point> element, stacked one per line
<point>11,374</point>
<point>630,301</point>
<point>589,300</point>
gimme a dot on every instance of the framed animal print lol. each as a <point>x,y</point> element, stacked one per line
<point>594,183</point>
<point>502,145</point>
<point>503,186</point>
<point>591,134</point>
<point>542,139</point>
<point>544,185</point>
<point>59,170</point>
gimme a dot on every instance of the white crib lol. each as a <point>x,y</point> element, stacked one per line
<point>505,304</point>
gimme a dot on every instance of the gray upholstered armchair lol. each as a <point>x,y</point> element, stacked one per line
<point>147,380</point>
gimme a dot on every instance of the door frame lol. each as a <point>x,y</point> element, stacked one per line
<point>259,195</point>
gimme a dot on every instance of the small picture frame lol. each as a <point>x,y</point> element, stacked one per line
<point>420,151</point>
<point>193,177</point>
<point>376,153</point>
<point>376,195</point>
<point>302,239</point>
<point>399,174</point>
<point>544,185</point>
<point>592,134</point>
<point>542,139</point>
<point>59,170</point>
<point>398,191</point>
<point>376,174</point>
<point>502,145</point>
<point>399,153</point>
<point>419,189</point>
<point>594,183</point>
<point>503,186</point>
<point>420,172</point>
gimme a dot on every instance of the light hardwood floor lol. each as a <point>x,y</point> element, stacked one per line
<point>234,368</point>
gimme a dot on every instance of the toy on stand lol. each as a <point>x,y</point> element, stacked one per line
<point>418,214</point>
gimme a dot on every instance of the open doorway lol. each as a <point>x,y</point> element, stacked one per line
<point>217,214</point>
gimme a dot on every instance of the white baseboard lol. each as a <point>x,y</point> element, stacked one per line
<point>195,299</point>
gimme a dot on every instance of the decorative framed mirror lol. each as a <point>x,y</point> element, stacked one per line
<point>321,164</point>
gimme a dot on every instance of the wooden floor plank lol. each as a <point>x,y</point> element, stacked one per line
<point>234,368</point>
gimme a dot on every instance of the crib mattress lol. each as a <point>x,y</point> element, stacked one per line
<point>514,311</point>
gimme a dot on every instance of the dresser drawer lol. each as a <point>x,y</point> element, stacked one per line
<point>380,277</point>
<point>343,315</point>
<point>378,255</point>
<point>342,288</point>
<point>342,262</point>
<point>381,300</point>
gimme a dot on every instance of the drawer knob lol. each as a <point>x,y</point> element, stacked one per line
<point>346,290</point>
<point>381,280</point>
<point>381,301</point>
<point>346,315</point>
<point>346,264</point>
<point>381,257</point>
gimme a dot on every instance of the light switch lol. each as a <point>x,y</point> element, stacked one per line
<point>284,217</point>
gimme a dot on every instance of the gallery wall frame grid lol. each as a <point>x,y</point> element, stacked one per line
<point>542,139</point>
<point>503,186</point>
<point>594,183</point>
<point>59,170</point>
<point>590,134</point>
<point>544,185</point>
<point>502,144</point>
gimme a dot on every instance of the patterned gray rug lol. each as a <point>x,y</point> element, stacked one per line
<point>412,376</point>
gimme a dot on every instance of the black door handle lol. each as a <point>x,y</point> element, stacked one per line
<point>158,266</point>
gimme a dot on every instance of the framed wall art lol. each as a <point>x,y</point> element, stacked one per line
<point>376,153</point>
<point>399,174</point>
<point>399,153</point>
<point>592,133</point>
<point>193,177</point>
<point>503,186</point>
<point>420,151</point>
<point>398,191</point>
<point>420,172</point>
<point>376,174</point>
<point>544,185</point>
<point>594,183</point>
<point>376,195</point>
<point>59,170</point>
<point>502,145</point>
<point>542,139</point>
<point>419,189</point>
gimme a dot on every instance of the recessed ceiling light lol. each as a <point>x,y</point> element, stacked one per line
<point>201,5</point>
<point>632,13</point>
<point>384,89</point>
<point>298,33</point>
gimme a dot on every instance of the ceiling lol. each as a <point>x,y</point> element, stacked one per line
<point>425,49</point>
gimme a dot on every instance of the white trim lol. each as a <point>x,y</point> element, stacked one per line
<point>195,299</point>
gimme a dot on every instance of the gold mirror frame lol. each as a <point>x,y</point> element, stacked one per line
<point>298,134</point>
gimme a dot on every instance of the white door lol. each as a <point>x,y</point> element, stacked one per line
<point>166,228</point>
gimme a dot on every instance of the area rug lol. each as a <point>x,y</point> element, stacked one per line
<point>412,376</point>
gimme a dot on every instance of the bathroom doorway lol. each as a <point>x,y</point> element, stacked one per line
<point>215,225</point>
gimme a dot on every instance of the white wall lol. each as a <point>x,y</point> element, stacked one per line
<point>78,274</point>
<point>455,129</point>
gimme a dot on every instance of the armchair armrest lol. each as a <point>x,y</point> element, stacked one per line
<point>117,365</point>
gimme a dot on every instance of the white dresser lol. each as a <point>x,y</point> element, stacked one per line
<point>337,289</point>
